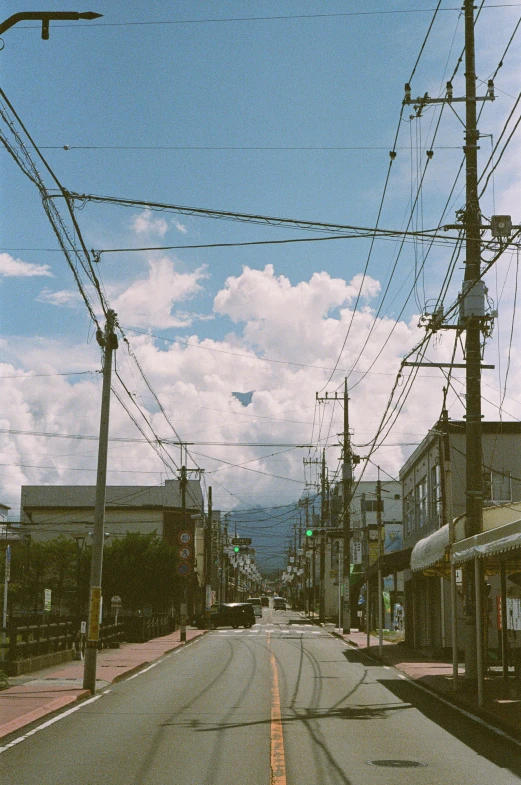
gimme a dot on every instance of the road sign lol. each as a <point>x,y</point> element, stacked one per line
<point>47,600</point>
<point>185,537</point>
<point>185,552</point>
<point>184,568</point>
<point>115,602</point>
<point>241,541</point>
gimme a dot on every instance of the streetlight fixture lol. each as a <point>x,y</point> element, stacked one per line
<point>45,18</point>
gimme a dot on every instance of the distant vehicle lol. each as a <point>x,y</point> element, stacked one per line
<point>232,614</point>
<point>279,604</point>
<point>265,601</point>
<point>257,605</point>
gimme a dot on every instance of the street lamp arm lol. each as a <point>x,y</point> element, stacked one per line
<point>45,17</point>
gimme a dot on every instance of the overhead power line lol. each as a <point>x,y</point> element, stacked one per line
<point>228,215</point>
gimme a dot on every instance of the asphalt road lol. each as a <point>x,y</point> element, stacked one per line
<point>278,704</point>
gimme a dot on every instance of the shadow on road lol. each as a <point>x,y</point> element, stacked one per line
<point>495,748</point>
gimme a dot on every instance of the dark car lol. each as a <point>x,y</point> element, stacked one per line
<point>279,604</point>
<point>232,614</point>
<point>265,601</point>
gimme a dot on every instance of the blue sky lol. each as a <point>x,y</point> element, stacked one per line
<point>178,103</point>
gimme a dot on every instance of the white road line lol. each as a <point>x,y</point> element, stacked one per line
<point>48,723</point>
<point>140,673</point>
<point>448,703</point>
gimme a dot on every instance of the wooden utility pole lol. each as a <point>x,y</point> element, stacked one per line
<point>109,342</point>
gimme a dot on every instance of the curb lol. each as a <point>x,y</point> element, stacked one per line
<point>32,716</point>
<point>473,712</point>
<point>57,704</point>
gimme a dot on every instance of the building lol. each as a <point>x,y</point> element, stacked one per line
<point>427,594</point>
<point>49,511</point>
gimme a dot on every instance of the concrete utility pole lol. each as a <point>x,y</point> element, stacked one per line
<point>208,559</point>
<point>183,483</point>
<point>474,460</point>
<point>323,523</point>
<point>109,342</point>
<point>367,564</point>
<point>347,481</point>
<point>380,554</point>
<point>472,319</point>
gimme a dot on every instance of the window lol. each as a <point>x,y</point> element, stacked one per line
<point>420,501</point>
<point>371,505</point>
<point>436,498</point>
<point>497,486</point>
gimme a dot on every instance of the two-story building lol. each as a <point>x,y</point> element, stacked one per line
<point>427,592</point>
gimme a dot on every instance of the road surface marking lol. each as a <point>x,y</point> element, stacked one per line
<point>277,757</point>
<point>48,723</point>
<point>143,671</point>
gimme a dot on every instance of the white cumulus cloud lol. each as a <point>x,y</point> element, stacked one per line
<point>144,223</point>
<point>64,297</point>
<point>149,302</point>
<point>16,268</point>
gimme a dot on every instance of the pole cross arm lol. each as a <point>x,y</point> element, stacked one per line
<point>45,17</point>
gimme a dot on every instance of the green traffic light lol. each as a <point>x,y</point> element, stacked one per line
<point>236,549</point>
<point>309,532</point>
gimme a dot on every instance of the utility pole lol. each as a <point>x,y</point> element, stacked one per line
<point>323,522</point>
<point>472,319</point>
<point>183,483</point>
<point>380,554</point>
<point>367,561</point>
<point>474,460</point>
<point>448,519</point>
<point>347,480</point>
<point>208,559</point>
<point>109,342</point>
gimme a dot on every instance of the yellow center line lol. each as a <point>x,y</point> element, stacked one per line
<point>277,757</point>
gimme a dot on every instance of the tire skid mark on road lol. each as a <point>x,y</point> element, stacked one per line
<point>277,757</point>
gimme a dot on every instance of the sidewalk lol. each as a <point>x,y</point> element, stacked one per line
<point>35,695</point>
<point>501,710</point>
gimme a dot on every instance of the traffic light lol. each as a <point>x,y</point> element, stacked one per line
<point>324,532</point>
<point>236,549</point>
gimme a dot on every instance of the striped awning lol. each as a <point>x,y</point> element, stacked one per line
<point>431,550</point>
<point>502,542</point>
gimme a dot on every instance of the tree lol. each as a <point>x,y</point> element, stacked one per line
<point>141,569</point>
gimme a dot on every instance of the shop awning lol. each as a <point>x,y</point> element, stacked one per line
<point>431,550</point>
<point>396,561</point>
<point>496,542</point>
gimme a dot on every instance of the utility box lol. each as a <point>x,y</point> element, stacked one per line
<point>473,300</point>
<point>501,226</point>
